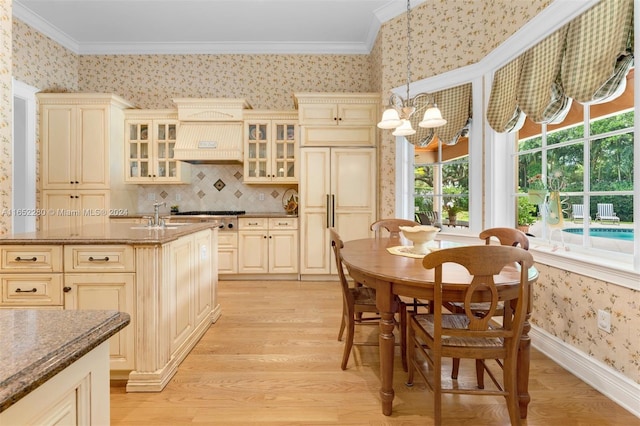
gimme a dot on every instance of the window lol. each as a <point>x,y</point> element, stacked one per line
<point>442,187</point>
<point>590,158</point>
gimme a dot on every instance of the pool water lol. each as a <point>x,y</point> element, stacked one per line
<point>615,233</point>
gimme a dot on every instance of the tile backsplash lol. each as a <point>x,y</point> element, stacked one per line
<point>214,187</point>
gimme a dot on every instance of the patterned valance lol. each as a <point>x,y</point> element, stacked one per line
<point>455,105</point>
<point>587,60</point>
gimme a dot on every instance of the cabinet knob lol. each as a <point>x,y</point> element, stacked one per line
<point>66,289</point>
<point>77,182</point>
<point>264,236</point>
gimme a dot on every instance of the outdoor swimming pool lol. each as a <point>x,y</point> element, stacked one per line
<point>615,233</point>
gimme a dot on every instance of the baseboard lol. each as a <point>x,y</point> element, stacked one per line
<point>620,389</point>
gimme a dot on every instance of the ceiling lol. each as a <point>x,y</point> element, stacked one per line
<point>210,26</point>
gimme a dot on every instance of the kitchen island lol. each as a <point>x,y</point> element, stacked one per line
<point>54,365</point>
<point>165,278</point>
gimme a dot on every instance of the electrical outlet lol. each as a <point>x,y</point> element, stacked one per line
<point>151,196</point>
<point>261,196</point>
<point>604,320</point>
<point>178,197</point>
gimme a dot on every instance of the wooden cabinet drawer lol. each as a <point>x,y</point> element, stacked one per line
<point>283,223</point>
<point>27,258</point>
<point>31,290</point>
<point>247,223</point>
<point>98,258</point>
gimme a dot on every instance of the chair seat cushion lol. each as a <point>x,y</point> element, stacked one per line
<point>458,321</point>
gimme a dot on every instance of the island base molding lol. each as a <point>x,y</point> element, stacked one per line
<point>155,381</point>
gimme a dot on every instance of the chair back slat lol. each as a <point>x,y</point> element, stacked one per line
<point>506,236</point>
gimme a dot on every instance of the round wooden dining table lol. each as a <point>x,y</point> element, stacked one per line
<point>370,263</point>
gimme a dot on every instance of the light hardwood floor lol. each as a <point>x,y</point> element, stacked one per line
<point>273,359</point>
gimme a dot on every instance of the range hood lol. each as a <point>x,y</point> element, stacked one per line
<point>210,130</point>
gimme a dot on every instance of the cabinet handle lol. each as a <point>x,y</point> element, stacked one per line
<point>93,259</point>
<point>66,289</point>
<point>328,224</point>
<point>333,210</point>
<point>283,223</point>
<point>33,290</point>
<point>30,259</point>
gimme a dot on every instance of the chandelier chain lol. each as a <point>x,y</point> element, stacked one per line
<point>408,48</point>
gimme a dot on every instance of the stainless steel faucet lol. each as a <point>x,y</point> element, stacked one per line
<point>156,213</point>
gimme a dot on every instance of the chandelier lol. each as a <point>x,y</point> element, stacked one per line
<point>396,115</point>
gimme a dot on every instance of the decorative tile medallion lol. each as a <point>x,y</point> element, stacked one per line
<point>201,194</point>
<point>238,175</point>
<point>238,194</point>
<point>219,185</point>
<point>201,175</point>
<point>164,194</point>
<point>275,194</point>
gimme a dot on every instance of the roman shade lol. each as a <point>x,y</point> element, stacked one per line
<point>587,61</point>
<point>455,104</point>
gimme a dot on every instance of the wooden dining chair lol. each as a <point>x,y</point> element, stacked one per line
<point>441,335</point>
<point>392,225</point>
<point>507,237</point>
<point>357,301</point>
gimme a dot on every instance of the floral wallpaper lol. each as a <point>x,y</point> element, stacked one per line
<point>565,304</point>
<point>41,62</point>
<point>448,34</point>
<point>265,81</point>
<point>6,113</point>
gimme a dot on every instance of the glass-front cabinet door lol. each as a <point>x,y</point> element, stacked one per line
<point>138,152</point>
<point>149,152</point>
<point>257,152</point>
<point>284,152</point>
<point>270,151</point>
<point>165,144</point>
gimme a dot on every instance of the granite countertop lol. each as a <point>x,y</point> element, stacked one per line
<point>177,217</point>
<point>38,344</point>
<point>113,233</point>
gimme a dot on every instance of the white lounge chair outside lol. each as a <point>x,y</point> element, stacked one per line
<point>605,212</point>
<point>577,212</point>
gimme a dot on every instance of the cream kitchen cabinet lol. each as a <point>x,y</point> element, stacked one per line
<point>268,245</point>
<point>191,287</point>
<point>227,253</point>
<point>73,209</point>
<point>337,119</point>
<point>102,277</point>
<point>150,139</point>
<point>77,395</point>
<point>31,277</point>
<point>271,147</point>
<point>81,147</point>
<point>337,189</point>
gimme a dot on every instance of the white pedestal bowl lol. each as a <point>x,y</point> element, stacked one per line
<point>420,236</point>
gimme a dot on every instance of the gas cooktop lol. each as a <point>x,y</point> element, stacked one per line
<point>212,213</point>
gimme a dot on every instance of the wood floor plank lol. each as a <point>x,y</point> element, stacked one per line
<point>273,358</point>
